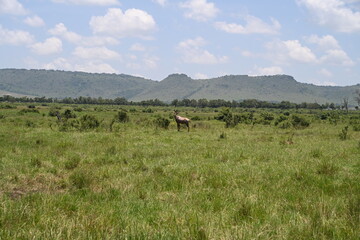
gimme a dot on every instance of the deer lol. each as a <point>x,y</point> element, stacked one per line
<point>181,120</point>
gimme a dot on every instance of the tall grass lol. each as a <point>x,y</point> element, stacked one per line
<point>141,181</point>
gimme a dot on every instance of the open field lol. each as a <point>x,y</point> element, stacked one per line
<point>127,177</point>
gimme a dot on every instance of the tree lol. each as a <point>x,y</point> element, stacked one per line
<point>346,104</point>
<point>357,97</point>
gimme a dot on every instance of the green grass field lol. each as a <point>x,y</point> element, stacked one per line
<point>137,180</point>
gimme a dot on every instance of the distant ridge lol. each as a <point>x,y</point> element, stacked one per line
<point>61,84</point>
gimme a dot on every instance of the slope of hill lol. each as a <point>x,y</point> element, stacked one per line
<point>60,84</point>
<point>267,88</point>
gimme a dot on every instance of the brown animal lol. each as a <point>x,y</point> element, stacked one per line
<point>181,120</point>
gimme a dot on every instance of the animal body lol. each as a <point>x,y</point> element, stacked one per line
<point>181,120</point>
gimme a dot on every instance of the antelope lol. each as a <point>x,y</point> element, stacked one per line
<point>181,120</point>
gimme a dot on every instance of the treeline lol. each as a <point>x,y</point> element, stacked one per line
<point>201,103</point>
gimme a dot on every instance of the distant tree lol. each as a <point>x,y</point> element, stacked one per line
<point>332,106</point>
<point>120,101</point>
<point>346,104</point>
<point>357,97</point>
<point>175,102</point>
<point>203,102</point>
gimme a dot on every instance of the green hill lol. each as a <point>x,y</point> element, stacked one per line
<point>60,84</point>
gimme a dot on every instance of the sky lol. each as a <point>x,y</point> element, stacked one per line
<point>315,41</point>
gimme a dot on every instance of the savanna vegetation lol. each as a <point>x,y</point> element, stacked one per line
<point>125,172</point>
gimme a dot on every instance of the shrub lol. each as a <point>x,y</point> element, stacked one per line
<point>88,122</point>
<point>29,110</point>
<point>122,117</point>
<point>285,124</point>
<point>226,116</point>
<point>196,118</point>
<point>343,135</point>
<point>280,119</point>
<point>333,118</point>
<point>147,110</point>
<point>68,114</point>
<point>299,122</point>
<point>162,122</point>
<point>53,112</point>
<point>356,128</point>
<point>7,107</point>
<point>68,125</point>
<point>266,118</point>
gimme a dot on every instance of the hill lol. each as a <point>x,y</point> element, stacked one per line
<point>60,84</point>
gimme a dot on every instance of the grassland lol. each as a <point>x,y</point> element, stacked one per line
<point>137,180</point>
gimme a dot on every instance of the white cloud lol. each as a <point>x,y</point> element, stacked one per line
<point>95,53</point>
<point>146,62</point>
<point>325,72</point>
<point>89,2</point>
<point>151,62</point>
<point>61,31</point>
<point>336,14</point>
<point>298,52</point>
<point>12,7</point>
<point>59,64</point>
<point>323,83</point>
<point>199,10</point>
<point>267,71</point>
<point>131,23</point>
<point>247,53</point>
<point>161,2</point>
<point>49,46</point>
<point>201,76</point>
<point>333,53</point>
<point>34,21</point>
<point>15,37</point>
<point>92,66</point>
<point>95,67</point>
<point>283,51</point>
<point>337,57</point>
<point>326,42</point>
<point>192,52</point>
<point>253,25</point>
<point>137,47</point>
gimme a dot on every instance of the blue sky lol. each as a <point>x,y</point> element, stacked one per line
<point>316,41</point>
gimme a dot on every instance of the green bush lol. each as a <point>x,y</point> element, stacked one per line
<point>162,122</point>
<point>285,124</point>
<point>280,119</point>
<point>29,110</point>
<point>299,122</point>
<point>88,122</point>
<point>356,128</point>
<point>68,114</point>
<point>122,117</point>
<point>343,135</point>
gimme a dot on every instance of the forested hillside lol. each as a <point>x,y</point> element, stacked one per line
<point>61,84</point>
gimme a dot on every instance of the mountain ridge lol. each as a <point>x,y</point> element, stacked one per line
<point>61,84</point>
